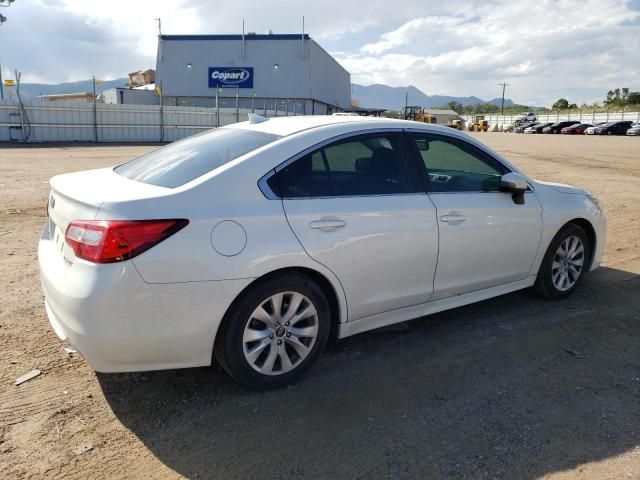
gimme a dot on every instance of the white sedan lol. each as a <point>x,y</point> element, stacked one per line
<point>255,242</point>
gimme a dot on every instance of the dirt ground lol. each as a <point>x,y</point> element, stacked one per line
<point>514,387</point>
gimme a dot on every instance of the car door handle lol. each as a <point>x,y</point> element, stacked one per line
<point>327,224</point>
<point>453,218</point>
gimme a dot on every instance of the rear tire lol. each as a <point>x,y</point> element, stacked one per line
<point>275,332</point>
<point>564,264</point>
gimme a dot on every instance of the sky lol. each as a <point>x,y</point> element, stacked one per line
<point>543,49</point>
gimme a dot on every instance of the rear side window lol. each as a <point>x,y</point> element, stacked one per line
<point>364,165</point>
<point>188,159</point>
<point>306,177</point>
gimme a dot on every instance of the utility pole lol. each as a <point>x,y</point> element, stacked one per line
<point>237,104</point>
<point>406,100</point>
<point>504,86</point>
<point>159,25</point>
<point>95,112</point>
<point>1,84</point>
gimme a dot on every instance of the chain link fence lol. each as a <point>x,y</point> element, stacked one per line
<point>584,116</point>
<point>41,121</point>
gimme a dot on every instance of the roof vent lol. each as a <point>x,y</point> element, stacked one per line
<point>255,118</point>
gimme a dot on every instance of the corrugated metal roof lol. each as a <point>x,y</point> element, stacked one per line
<point>436,111</point>
<point>235,36</point>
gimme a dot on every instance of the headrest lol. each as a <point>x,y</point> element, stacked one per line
<point>384,160</point>
<point>363,165</point>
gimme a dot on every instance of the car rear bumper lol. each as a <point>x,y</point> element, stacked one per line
<point>120,323</point>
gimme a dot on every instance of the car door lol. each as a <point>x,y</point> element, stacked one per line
<point>486,239</point>
<point>355,206</point>
<point>621,127</point>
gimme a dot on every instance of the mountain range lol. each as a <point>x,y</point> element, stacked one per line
<point>376,96</point>
<point>393,98</point>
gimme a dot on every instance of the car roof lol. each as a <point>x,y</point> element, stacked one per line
<point>285,126</point>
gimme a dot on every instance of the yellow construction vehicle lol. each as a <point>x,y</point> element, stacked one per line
<point>479,124</point>
<point>418,114</point>
<point>457,124</point>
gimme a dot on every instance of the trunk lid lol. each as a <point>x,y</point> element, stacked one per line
<point>78,196</point>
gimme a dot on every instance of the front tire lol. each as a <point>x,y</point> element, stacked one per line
<point>564,264</point>
<point>275,332</point>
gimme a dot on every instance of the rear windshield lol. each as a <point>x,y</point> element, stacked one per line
<point>188,159</point>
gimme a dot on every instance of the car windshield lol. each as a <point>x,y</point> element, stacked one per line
<point>188,159</point>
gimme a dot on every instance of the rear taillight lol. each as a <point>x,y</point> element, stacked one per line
<point>109,241</point>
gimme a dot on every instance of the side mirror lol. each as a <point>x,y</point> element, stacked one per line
<point>515,184</point>
<point>422,144</point>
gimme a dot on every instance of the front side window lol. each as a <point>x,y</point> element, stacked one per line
<point>188,159</point>
<point>364,165</point>
<point>454,165</point>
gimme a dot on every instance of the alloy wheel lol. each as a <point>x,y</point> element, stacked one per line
<point>568,263</point>
<point>280,333</point>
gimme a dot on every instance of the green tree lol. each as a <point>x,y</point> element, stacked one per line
<point>469,109</point>
<point>622,96</point>
<point>633,98</point>
<point>625,95</point>
<point>609,97</point>
<point>561,104</point>
<point>455,106</point>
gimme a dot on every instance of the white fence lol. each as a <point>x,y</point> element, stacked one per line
<point>586,116</point>
<point>81,122</point>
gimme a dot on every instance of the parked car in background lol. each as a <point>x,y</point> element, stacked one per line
<point>577,129</point>
<point>613,128</point>
<point>634,130</point>
<point>521,128</point>
<point>558,126</point>
<point>247,243</point>
<point>592,130</point>
<point>527,117</point>
<point>537,128</point>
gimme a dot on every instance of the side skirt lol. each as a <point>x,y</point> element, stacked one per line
<point>417,311</point>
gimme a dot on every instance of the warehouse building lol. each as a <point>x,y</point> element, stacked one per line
<point>288,73</point>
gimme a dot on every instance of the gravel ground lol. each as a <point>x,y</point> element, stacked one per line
<point>514,387</point>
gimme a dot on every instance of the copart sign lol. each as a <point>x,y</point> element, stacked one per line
<point>229,77</point>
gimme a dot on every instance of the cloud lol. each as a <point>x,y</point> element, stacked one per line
<point>50,44</point>
<point>544,49</point>
<point>422,30</point>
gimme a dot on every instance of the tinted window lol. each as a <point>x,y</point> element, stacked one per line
<point>364,165</point>
<point>306,177</point>
<point>456,166</point>
<point>188,159</point>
